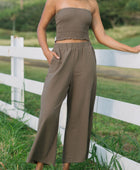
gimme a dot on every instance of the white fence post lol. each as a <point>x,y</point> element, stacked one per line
<point>17,70</point>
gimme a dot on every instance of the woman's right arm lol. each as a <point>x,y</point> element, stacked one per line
<point>47,14</point>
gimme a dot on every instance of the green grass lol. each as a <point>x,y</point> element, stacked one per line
<point>15,143</point>
<point>128,41</point>
<point>14,139</point>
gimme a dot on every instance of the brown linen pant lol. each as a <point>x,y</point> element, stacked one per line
<point>74,75</point>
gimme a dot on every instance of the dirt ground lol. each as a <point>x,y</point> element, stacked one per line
<point>117,73</point>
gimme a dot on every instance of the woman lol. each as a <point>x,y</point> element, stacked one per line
<point>72,72</point>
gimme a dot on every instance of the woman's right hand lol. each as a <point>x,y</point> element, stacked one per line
<point>49,55</point>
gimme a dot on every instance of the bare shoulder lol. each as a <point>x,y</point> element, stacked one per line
<point>93,5</point>
<point>50,6</point>
<point>60,4</point>
<point>48,13</point>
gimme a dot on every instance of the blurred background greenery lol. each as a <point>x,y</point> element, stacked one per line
<point>27,13</point>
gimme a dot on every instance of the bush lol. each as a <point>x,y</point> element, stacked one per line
<point>113,13</point>
<point>133,5</point>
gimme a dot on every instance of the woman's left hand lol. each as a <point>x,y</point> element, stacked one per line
<point>137,48</point>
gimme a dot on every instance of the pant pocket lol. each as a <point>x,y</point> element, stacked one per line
<point>52,60</point>
<point>94,55</point>
<point>54,64</point>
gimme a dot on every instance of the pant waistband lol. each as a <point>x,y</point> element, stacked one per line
<point>73,44</point>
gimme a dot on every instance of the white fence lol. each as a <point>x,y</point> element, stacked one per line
<point>113,108</point>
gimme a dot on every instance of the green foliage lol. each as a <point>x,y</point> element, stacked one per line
<point>7,4</point>
<point>26,19</point>
<point>133,5</point>
<point>116,12</point>
<point>15,143</point>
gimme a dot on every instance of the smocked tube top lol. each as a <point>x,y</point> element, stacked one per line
<point>72,23</point>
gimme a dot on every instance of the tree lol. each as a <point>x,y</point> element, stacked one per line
<point>21,4</point>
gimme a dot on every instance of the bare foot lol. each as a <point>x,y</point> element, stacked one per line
<point>66,166</point>
<point>39,166</point>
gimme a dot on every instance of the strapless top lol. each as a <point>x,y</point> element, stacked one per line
<point>72,23</point>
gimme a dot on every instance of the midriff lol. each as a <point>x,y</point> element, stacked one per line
<point>69,41</point>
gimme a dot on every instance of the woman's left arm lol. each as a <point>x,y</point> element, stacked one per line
<point>103,38</point>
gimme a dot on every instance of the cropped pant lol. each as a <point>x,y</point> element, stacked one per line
<point>74,75</point>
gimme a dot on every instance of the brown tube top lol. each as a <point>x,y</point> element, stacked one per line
<point>72,23</point>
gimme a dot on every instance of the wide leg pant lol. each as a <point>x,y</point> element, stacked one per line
<point>74,75</point>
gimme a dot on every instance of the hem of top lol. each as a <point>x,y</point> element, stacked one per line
<point>72,37</point>
<point>73,44</point>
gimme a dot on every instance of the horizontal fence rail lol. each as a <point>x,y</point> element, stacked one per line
<point>120,110</point>
<point>110,107</point>
<point>105,57</point>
